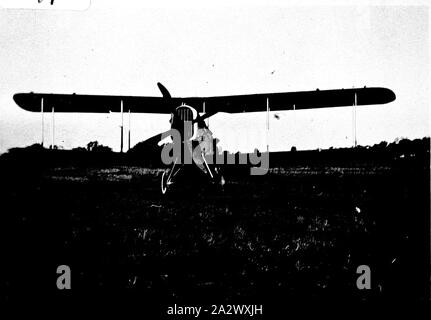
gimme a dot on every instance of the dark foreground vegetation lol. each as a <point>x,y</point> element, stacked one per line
<point>296,233</point>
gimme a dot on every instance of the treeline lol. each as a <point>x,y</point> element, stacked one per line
<point>383,153</point>
<point>378,154</point>
<point>148,154</point>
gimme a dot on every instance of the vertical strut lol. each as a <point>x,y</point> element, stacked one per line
<point>267,124</point>
<point>129,130</point>
<point>53,128</point>
<point>207,120</point>
<point>43,126</point>
<point>355,102</point>
<point>121,127</point>
<point>294,128</point>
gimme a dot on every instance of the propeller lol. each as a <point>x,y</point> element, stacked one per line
<point>168,98</point>
<point>156,139</point>
<point>169,101</point>
<point>164,91</point>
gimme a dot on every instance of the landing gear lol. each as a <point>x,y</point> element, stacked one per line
<point>168,176</point>
<point>216,176</point>
<point>219,179</point>
<point>164,182</point>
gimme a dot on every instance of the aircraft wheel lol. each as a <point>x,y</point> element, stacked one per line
<point>164,182</point>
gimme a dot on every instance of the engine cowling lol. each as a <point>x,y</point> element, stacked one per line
<point>184,120</point>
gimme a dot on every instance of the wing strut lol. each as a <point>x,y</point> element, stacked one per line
<point>355,103</point>
<point>41,113</point>
<point>267,124</point>
<point>129,130</point>
<point>207,120</point>
<point>121,127</point>
<point>53,128</point>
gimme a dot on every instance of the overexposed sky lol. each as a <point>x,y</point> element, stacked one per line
<point>217,50</point>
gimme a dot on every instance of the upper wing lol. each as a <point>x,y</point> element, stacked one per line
<point>90,103</point>
<point>294,100</point>
<point>230,104</point>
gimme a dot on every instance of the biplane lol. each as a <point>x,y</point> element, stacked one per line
<point>188,114</point>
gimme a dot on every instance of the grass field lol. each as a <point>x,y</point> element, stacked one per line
<point>296,233</point>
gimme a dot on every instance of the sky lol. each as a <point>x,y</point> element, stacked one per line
<point>125,48</point>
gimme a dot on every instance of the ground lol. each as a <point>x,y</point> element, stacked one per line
<point>298,232</point>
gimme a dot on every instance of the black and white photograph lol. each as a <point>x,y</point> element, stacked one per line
<point>214,159</point>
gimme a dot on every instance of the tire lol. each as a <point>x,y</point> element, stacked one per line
<point>164,183</point>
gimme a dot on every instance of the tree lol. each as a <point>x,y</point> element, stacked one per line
<point>95,146</point>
